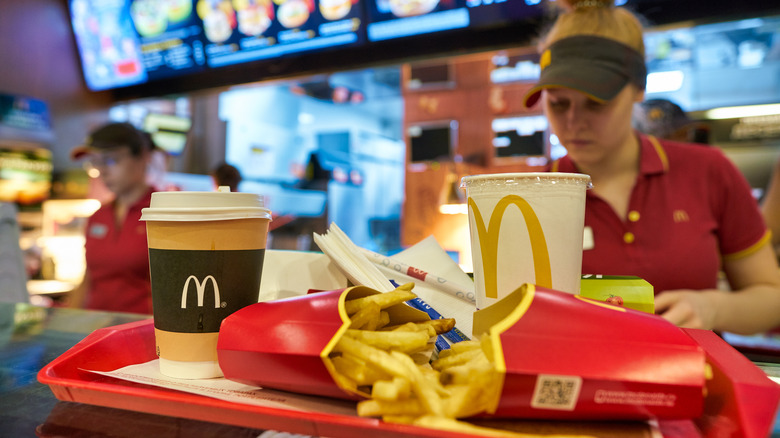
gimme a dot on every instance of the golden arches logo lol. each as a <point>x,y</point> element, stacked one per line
<point>680,216</point>
<point>489,237</point>
<point>200,289</point>
<point>545,59</point>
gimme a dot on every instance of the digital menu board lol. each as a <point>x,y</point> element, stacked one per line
<point>156,47</point>
<point>269,29</point>
<point>391,19</point>
<point>130,42</point>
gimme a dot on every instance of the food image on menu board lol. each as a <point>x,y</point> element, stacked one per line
<point>149,17</point>
<point>254,16</point>
<point>335,9</point>
<point>152,17</point>
<point>408,8</point>
<point>178,10</point>
<point>219,19</point>
<point>294,13</point>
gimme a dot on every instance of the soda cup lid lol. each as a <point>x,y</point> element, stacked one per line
<point>205,206</point>
<point>508,179</point>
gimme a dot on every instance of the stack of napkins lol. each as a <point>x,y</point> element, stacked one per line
<point>439,281</point>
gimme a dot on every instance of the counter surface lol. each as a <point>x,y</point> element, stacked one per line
<point>30,338</point>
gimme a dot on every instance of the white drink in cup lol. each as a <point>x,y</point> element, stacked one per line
<point>206,252</point>
<point>525,228</point>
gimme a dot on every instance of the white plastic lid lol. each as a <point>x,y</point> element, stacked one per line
<point>204,206</point>
<point>493,179</point>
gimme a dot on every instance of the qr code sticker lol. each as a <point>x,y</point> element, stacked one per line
<point>556,392</point>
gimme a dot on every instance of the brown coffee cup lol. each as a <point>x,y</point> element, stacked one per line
<point>206,253</point>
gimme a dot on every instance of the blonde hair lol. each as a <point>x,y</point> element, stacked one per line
<point>596,18</point>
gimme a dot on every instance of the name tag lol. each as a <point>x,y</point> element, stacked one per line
<point>98,231</point>
<point>587,238</point>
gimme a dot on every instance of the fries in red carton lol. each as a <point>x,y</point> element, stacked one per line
<point>568,357</point>
<point>285,344</point>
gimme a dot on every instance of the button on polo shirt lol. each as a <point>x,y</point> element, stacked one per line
<point>689,205</point>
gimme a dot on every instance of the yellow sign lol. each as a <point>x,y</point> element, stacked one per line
<point>489,237</point>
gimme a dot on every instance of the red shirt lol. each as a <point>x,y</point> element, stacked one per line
<point>690,207</point>
<point>118,260</point>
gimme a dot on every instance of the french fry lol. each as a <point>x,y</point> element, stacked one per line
<point>345,382</point>
<point>374,356</point>
<point>398,388</point>
<point>440,326</point>
<point>457,375</point>
<point>384,300</point>
<point>413,327</point>
<point>459,400</point>
<point>357,370</point>
<point>426,393</point>
<point>364,317</point>
<point>402,419</point>
<point>455,359</point>
<point>378,408</point>
<point>393,365</point>
<point>402,341</point>
<point>433,378</point>
<point>384,319</point>
<point>460,347</point>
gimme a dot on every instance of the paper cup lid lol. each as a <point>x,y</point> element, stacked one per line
<point>524,178</point>
<point>204,206</point>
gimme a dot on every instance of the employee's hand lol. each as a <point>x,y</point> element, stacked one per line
<point>687,308</point>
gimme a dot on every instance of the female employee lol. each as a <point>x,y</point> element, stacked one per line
<point>671,213</point>
<point>117,255</point>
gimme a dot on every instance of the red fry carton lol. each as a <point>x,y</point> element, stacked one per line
<point>741,401</point>
<point>565,356</point>
<point>284,344</point>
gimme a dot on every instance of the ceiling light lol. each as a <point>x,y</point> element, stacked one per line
<point>736,112</point>
<point>664,81</point>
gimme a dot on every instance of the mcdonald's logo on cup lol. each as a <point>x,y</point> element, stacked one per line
<point>204,244</point>
<point>200,289</point>
<point>525,228</point>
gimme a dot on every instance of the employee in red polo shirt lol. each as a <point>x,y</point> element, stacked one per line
<point>117,255</point>
<point>672,213</point>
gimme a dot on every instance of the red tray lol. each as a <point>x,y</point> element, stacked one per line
<point>111,348</point>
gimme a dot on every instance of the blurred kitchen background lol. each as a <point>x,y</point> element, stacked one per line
<point>378,150</point>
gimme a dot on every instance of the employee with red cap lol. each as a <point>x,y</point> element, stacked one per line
<point>674,214</point>
<point>117,256</point>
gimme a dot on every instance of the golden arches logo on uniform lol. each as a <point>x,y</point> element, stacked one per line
<point>200,289</point>
<point>489,238</point>
<point>680,216</point>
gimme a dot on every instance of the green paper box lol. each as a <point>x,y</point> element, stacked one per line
<point>627,291</point>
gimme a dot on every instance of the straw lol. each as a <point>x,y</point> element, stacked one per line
<point>413,274</point>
